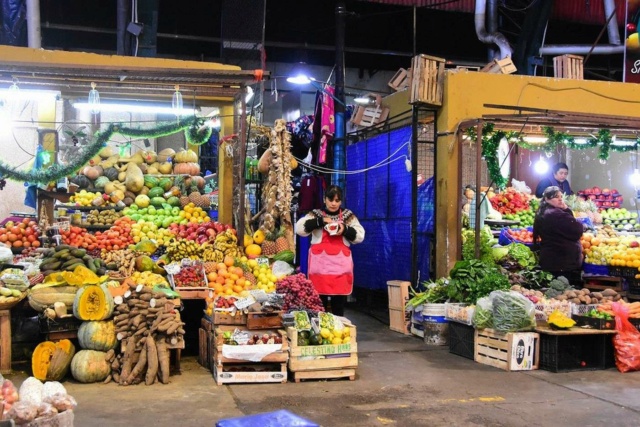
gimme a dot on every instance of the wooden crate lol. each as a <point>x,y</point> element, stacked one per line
<point>264,320</point>
<point>369,116</point>
<point>207,324</point>
<point>205,353</point>
<point>500,66</point>
<point>252,373</point>
<point>568,67</point>
<point>399,320</point>
<point>5,341</point>
<point>427,80</point>
<point>400,80</point>
<point>398,293</point>
<point>323,361</point>
<point>276,357</point>
<point>513,351</point>
<point>225,318</point>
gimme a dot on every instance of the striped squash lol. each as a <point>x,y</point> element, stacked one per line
<point>97,335</point>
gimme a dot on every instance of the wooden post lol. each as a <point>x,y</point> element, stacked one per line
<point>225,182</point>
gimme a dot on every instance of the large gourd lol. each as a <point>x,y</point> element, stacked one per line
<point>93,302</point>
<point>134,179</point>
<point>97,335</point>
<point>51,361</point>
<point>90,366</point>
<point>185,156</point>
<point>41,298</point>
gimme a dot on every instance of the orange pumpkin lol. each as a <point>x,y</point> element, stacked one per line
<point>189,168</point>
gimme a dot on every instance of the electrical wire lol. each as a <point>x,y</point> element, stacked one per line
<point>612,98</point>
<point>504,6</point>
<point>134,18</point>
<point>382,163</point>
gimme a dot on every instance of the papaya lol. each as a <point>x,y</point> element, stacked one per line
<point>165,183</point>
<point>144,263</point>
<point>174,201</point>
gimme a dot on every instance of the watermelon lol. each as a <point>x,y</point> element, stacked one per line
<point>174,201</point>
<point>155,192</point>
<point>158,201</point>
<point>286,256</point>
<point>151,181</point>
<point>165,183</point>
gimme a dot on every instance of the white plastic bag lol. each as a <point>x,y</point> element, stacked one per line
<point>6,256</point>
<point>281,268</point>
<point>520,186</point>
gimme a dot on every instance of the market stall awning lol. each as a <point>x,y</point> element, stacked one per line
<point>532,121</point>
<point>121,76</point>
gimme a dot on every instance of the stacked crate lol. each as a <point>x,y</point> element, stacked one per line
<point>272,368</point>
<point>323,361</point>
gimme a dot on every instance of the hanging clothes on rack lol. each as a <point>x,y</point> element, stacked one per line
<point>311,192</point>
<point>327,120</point>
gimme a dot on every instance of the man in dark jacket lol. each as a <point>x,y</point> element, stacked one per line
<point>558,178</point>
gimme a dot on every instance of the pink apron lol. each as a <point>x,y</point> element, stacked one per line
<point>331,266</point>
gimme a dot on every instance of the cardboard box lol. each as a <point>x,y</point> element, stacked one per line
<point>513,351</point>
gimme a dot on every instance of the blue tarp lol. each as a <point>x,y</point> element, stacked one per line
<point>381,199</point>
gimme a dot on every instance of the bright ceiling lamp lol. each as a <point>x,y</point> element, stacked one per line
<point>541,166</point>
<point>135,108</point>
<point>177,105</point>
<point>299,79</point>
<point>249,95</point>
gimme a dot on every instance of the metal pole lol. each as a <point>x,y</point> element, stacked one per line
<point>414,196</point>
<point>478,179</point>
<point>339,161</point>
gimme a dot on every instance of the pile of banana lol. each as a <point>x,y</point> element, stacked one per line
<point>227,243</point>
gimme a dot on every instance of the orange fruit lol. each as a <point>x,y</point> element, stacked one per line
<point>229,261</point>
<point>221,266</point>
<point>238,288</point>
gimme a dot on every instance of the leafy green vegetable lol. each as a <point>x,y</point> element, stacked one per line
<point>522,255</point>
<point>474,279</point>
<point>486,245</point>
<point>435,292</point>
<point>512,312</point>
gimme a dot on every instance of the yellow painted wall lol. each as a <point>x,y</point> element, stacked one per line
<point>465,93</point>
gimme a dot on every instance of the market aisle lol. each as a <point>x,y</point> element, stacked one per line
<point>400,382</point>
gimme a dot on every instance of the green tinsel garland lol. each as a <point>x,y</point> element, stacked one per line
<point>491,140</point>
<point>195,133</point>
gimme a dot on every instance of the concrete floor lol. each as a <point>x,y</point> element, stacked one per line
<point>400,382</point>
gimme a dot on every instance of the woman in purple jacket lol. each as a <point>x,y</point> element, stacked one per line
<point>558,234</point>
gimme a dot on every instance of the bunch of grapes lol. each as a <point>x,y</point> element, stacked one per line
<point>298,292</point>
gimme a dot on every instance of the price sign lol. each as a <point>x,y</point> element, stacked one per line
<point>263,261</point>
<point>259,295</point>
<point>244,302</point>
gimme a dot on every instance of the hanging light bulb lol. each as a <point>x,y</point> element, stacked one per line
<point>94,99</point>
<point>176,102</point>
<point>541,167</point>
<point>549,154</point>
<point>603,161</point>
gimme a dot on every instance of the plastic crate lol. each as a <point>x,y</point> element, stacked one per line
<point>277,418</point>
<point>581,309</point>
<point>594,322</point>
<point>628,272</point>
<point>633,285</point>
<point>461,339</point>
<point>566,353</point>
<point>596,270</point>
<point>458,312</point>
<point>544,310</point>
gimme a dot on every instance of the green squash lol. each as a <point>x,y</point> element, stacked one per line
<point>174,201</point>
<point>90,366</point>
<point>93,302</point>
<point>111,173</point>
<point>97,335</point>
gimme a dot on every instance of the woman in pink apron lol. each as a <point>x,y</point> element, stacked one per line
<point>333,230</point>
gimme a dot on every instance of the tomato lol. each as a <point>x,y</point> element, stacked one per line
<point>12,237</point>
<point>17,244</point>
<point>35,244</point>
<point>3,238</point>
<point>15,230</point>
